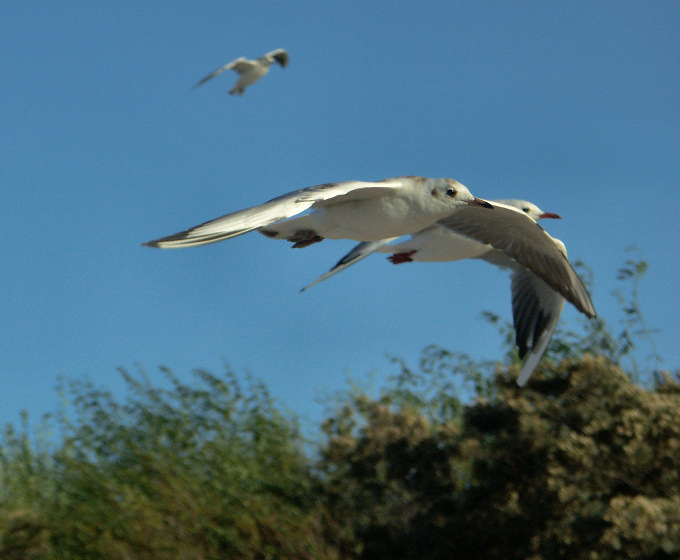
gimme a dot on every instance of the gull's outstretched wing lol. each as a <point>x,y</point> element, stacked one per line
<point>240,65</point>
<point>522,239</point>
<point>536,310</point>
<point>280,56</point>
<point>277,209</point>
<point>359,252</point>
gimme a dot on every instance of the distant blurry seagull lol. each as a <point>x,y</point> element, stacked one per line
<point>250,70</point>
<point>355,210</point>
<point>510,238</point>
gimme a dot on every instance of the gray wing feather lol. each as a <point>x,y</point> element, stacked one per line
<point>358,253</point>
<point>536,310</point>
<point>275,210</point>
<point>523,240</point>
<point>280,56</point>
<point>240,65</point>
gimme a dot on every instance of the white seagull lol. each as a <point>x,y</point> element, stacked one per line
<point>250,70</point>
<point>510,238</point>
<point>356,210</point>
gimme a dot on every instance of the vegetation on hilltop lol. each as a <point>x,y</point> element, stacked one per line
<point>451,459</point>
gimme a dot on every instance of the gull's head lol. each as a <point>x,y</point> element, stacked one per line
<point>530,209</point>
<point>456,193</point>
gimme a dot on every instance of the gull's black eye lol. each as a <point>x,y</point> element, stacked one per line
<point>525,210</point>
<point>451,192</point>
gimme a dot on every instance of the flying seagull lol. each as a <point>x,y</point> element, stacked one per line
<point>510,238</point>
<point>250,70</point>
<point>357,210</point>
<point>433,244</point>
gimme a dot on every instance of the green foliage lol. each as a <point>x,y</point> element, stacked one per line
<point>635,326</point>
<point>582,464</point>
<point>450,460</point>
<point>213,471</point>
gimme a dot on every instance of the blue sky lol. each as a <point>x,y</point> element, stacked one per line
<point>571,105</point>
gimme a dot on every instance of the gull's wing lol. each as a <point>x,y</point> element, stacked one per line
<point>280,55</point>
<point>522,239</point>
<point>536,310</point>
<point>359,252</point>
<point>240,65</point>
<point>277,209</point>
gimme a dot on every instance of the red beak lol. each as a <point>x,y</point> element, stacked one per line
<point>550,215</point>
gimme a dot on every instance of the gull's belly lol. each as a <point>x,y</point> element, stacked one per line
<point>438,244</point>
<point>384,217</point>
<point>251,76</point>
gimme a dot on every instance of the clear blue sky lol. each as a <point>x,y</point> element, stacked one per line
<point>572,105</point>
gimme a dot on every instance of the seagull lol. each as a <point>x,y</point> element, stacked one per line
<point>250,70</point>
<point>358,210</point>
<point>509,237</point>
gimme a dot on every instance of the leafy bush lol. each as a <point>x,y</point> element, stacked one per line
<point>452,459</point>
<point>581,463</point>
<point>212,471</point>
